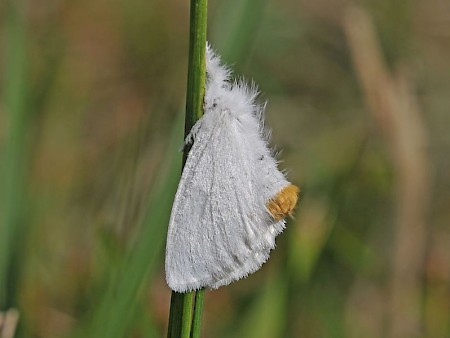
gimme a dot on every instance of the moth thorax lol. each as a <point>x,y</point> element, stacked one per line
<point>284,202</point>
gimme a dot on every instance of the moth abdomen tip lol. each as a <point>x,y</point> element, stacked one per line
<point>284,202</point>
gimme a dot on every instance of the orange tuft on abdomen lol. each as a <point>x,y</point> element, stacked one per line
<point>284,202</point>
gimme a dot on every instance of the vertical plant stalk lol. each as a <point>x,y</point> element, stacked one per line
<point>395,110</point>
<point>14,155</point>
<point>197,65</point>
<point>183,318</point>
<point>198,311</point>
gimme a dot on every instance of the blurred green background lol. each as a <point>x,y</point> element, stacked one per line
<point>91,120</point>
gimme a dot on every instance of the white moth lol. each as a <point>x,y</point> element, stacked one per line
<point>232,199</point>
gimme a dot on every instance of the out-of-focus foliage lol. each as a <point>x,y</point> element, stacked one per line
<point>105,84</point>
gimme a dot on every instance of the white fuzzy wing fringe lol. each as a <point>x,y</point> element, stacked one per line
<point>220,229</point>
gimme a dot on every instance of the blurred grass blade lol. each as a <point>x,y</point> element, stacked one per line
<point>236,27</point>
<point>181,305</point>
<point>14,155</point>
<point>117,307</point>
<point>267,315</point>
<point>309,236</point>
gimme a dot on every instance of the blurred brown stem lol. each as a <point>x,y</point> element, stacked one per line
<point>8,323</point>
<point>397,115</point>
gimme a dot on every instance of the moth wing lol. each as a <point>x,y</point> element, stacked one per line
<point>219,229</point>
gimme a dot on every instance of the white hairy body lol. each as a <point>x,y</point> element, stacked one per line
<point>220,228</point>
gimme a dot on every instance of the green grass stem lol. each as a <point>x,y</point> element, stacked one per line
<point>15,151</point>
<point>182,305</point>
<point>197,65</point>
<point>198,311</point>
